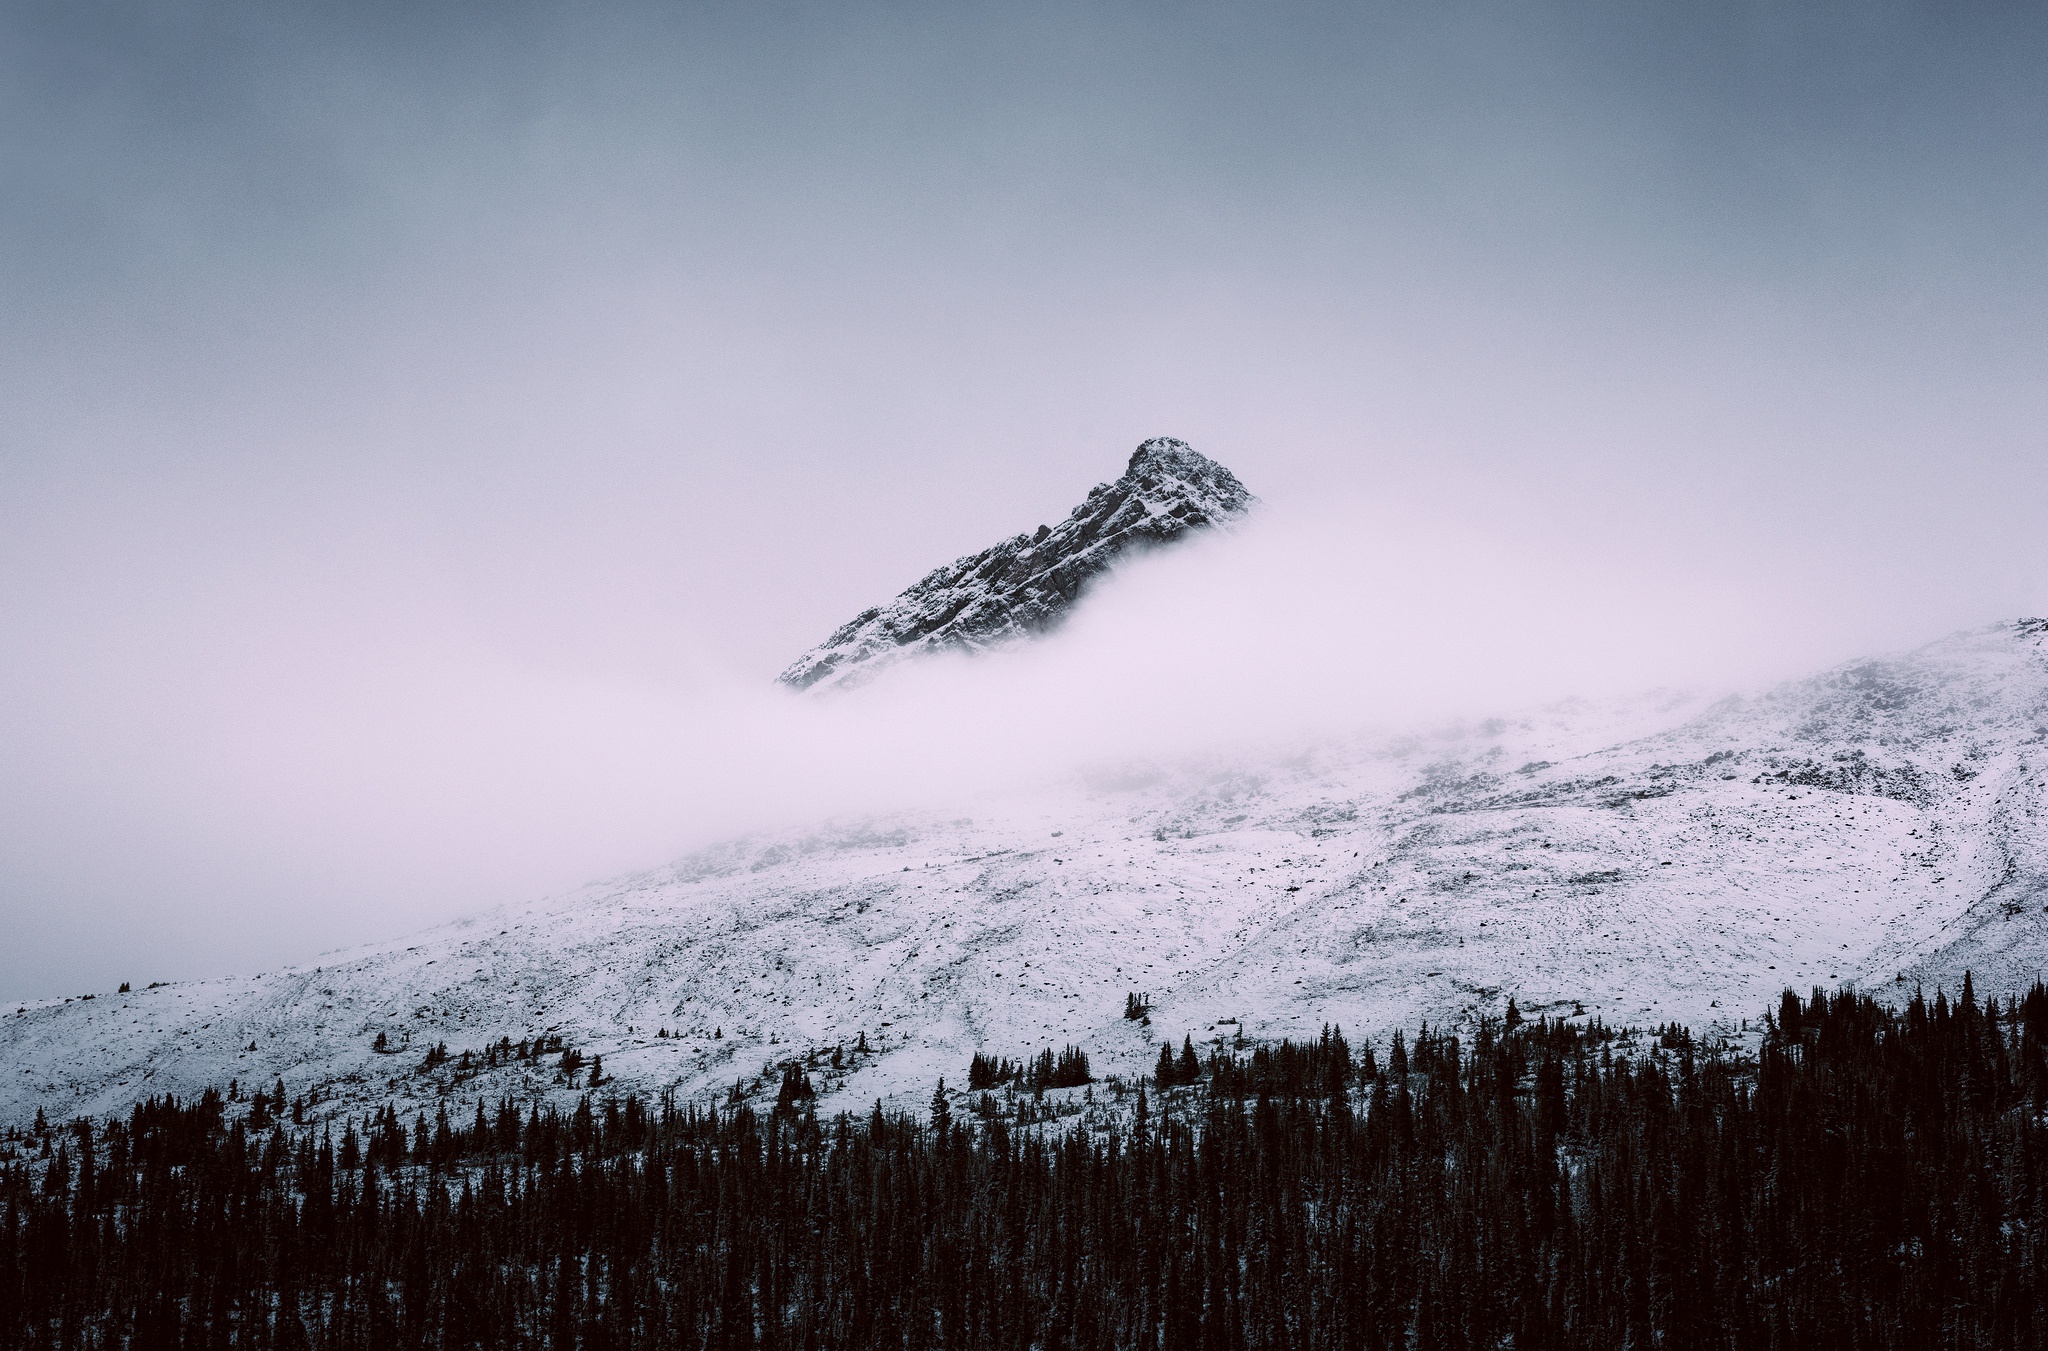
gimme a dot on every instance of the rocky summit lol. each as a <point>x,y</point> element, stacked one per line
<point>1027,584</point>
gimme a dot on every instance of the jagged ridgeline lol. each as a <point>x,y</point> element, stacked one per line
<point>1027,584</point>
<point>1864,1177</point>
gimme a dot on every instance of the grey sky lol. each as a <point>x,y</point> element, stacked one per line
<point>414,420</point>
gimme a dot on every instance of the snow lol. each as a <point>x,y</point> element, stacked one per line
<point>1655,859</point>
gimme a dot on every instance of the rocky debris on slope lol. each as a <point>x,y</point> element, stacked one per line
<point>1027,584</point>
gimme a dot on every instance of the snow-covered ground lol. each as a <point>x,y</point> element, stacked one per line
<point>1649,860</point>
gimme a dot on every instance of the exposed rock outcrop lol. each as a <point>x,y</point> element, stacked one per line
<point>1027,584</point>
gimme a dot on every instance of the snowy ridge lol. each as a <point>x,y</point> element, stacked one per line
<point>1649,860</point>
<point>1028,583</point>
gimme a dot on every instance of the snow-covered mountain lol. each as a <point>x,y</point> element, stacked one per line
<point>1028,583</point>
<point>1664,858</point>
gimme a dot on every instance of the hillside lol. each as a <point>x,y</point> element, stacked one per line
<point>1653,860</point>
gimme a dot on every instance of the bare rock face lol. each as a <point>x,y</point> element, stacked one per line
<point>1027,584</point>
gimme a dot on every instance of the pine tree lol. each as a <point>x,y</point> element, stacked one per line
<point>1790,1017</point>
<point>1701,1190</point>
<point>796,1088</point>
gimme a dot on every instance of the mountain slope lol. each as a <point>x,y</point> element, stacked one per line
<point>1028,583</point>
<point>1651,860</point>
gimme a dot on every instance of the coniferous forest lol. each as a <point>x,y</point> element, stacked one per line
<point>1861,1178</point>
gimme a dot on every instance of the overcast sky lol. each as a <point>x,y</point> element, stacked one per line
<point>416,422</point>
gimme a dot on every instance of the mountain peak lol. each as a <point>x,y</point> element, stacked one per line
<point>1165,450</point>
<point>1164,460</point>
<point>1027,584</point>
<point>1170,453</point>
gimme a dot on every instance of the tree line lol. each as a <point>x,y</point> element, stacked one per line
<point>1863,1178</point>
<point>1069,1069</point>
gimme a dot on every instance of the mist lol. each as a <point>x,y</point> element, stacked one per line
<point>423,436</point>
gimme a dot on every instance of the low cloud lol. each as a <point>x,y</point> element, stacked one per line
<point>221,807</point>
